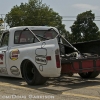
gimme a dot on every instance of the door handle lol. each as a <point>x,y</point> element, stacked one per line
<point>3,51</point>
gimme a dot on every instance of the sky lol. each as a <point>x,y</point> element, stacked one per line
<point>63,7</point>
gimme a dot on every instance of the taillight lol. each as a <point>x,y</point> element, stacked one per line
<point>57,61</point>
<point>57,58</point>
<point>48,57</point>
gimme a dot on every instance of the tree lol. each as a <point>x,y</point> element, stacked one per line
<point>84,28</point>
<point>1,25</point>
<point>34,13</point>
<point>68,36</point>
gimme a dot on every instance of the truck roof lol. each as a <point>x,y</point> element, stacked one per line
<point>32,28</point>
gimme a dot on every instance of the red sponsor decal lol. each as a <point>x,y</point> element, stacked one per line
<point>1,62</point>
<point>1,56</point>
<point>14,54</point>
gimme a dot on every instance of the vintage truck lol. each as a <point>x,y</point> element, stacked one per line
<point>37,53</point>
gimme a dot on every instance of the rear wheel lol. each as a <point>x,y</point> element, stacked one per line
<point>32,75</point>
<point>89,75</point>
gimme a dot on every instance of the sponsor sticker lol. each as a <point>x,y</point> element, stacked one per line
<point>41,60</point>
<point>1,56</point>
<point>14,70</point>
<point>3,70</point>
<point>14,54</point>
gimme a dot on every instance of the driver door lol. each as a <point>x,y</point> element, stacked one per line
<point>3,50</point>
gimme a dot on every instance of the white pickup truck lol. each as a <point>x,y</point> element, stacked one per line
<point>36,53</point>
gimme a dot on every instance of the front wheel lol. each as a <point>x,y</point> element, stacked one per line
<point>32,75</point>
<point>87,75</point>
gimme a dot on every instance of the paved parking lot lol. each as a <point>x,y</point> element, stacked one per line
<point>65,88</point>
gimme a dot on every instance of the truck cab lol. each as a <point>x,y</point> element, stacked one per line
<point>33,46</point>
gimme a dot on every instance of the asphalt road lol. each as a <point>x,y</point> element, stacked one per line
<point>65,88</point>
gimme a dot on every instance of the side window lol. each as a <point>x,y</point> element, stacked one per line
<point>5,39</point>
<point>23,37</point>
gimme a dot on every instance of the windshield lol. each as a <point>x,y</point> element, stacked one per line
<point>51,34</point>
<point>27,36</point>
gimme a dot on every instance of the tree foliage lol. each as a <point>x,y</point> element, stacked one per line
<point>34,13</point>
<point>84,28</point>
<point>68,36</point>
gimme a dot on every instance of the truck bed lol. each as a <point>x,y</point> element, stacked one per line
<point>80,65</point>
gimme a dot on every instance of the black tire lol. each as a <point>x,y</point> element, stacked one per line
<point>88,75</point>
<point>94,74</point>
<point>32,75</point>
